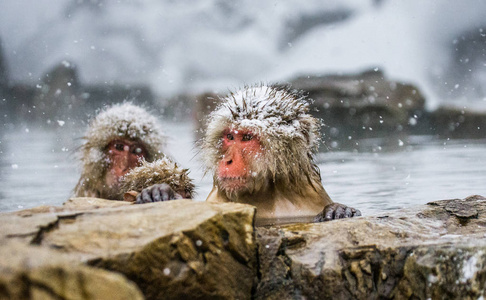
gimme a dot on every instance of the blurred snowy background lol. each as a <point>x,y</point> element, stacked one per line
<point>196,45</point>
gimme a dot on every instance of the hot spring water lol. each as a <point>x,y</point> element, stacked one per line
<point>38,167</point>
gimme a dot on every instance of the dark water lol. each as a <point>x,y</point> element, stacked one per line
<point>38,167</point>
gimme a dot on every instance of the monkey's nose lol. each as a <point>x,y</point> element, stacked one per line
<point>229,162</point>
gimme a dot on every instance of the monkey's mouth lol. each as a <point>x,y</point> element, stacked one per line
<point>233,183</point>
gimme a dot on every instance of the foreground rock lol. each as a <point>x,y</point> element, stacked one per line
<point>41,273</point>
<point>436,251</point>
<point>179,249</point>
<point>99,249</point>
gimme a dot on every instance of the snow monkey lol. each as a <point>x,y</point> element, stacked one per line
<point>120,140</point>
<point>260,145</point>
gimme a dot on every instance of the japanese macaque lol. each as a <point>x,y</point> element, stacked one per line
<point>260,145</point>
<point>120,139</point>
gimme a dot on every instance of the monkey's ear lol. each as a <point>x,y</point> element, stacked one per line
<point>130,196</point>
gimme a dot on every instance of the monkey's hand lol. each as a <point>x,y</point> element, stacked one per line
<point>336,211</point>
<point>157,193</point>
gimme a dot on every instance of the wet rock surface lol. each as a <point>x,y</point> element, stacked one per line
<point>435,251</point>
<point>90,248</point>
<point>178,249</point>
<point>40,273</point>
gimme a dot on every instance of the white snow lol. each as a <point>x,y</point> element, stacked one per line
<point>126,119</point>
<point>470,268</point>
<point>256,109</point>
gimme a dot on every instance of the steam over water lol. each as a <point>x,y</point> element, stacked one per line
<point>38,167</point>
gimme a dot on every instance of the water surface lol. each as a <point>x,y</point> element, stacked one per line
<point>38,167</point>
<point>374,182</point>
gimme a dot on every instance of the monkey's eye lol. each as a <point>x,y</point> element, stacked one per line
<point>247,137</point>
<point>137,150</point>
<point>119,146</point>
<point>230,137</point>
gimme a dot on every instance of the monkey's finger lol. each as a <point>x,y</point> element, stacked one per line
<point>159,192</point>
<point>156,197</point>
<point>339,212</point>
<point>328,213</point>
<point>356,212</point>
<point>319,217</point>
<point>146,197</point>
<point>165,193</point>
<point>178,196</point>
<point>138,200</point>
<point>348,212</point>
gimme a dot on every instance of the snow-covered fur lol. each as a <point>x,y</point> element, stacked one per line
<point>279,117</point>
<point>124,120</point>
<point>160,171</point>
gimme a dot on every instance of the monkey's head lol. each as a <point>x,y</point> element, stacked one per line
<point>117,140</point>
<point>258,138</point>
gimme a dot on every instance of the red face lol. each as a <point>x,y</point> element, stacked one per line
<point>123,155</point>
<point>239,149</point>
